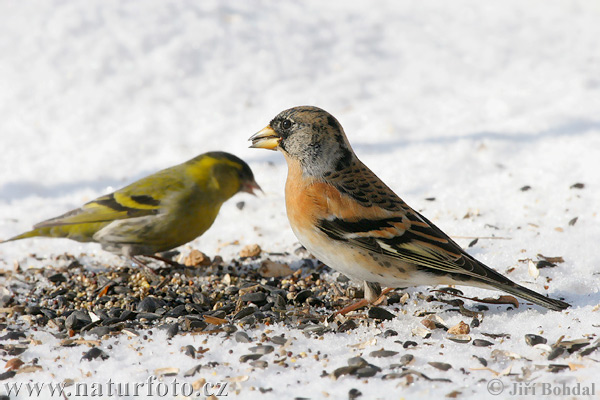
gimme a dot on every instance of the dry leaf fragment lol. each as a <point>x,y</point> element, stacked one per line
<point>13,364</point>
<point>214,320</point>
<point>553,260</point>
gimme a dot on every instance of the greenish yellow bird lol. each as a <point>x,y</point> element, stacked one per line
<point>156,213</point>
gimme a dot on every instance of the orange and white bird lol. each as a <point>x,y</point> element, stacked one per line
<point>351,221</point>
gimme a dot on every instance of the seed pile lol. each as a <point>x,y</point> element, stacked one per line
<point>245,301</point>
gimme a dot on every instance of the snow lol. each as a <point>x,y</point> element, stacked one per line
<point>463,101</point>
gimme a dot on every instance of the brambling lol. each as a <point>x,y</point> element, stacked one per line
<point>351,221</point>
<point>156,213</point>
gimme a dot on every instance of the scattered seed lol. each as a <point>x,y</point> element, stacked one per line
<point>482,343</point>
<point>242,337</point>
<point>532,339</point>
<point>383,353</point>
<point>94,353</point>
<point>440,365</point>
<point>380,313</point>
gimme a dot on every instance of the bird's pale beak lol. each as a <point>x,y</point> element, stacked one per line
<point>250,187</point>
<point>265,139</point>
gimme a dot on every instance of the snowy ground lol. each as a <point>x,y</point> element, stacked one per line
<point>466,102</point>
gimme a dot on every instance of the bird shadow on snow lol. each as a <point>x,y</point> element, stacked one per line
<point>569,128</point>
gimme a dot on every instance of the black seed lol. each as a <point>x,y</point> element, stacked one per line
<point>347,326</point>
<point>532,339</point>
<point>406,359</point>
<point>57,278</point>
<point>409,343</point>
<point>557,367</point>
<point>344,371</point>
<point>172,330</point>
<point>100,331</point>
<point>368,371</point>
<point>380,313</point>
<point>260,364</point>
<point>357,362</point>
<point>280,340</point>
<point>229,329</point>
<point>440,365</point>
<point>258,298</point>
<point>383,353</point>
<point>482,343</point>
<point>302,296</point>
<point>7,375</point>
<point>250,357</point>
<point>482,360</point>
<point>354,394</point>
<point>263,349</point>
<point>555,353</point>
<point>389,332</point>
<point>149,304</point>
<point>242,337</point>
<point>244,312</point>
<point>192,371</point>
<point>13,335</point>
<point>77,320</point>
<point>94,353</point>
<point>189,351</point>
<point>147,316</point>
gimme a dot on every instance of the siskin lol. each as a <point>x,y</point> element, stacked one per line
<point>157,213</point>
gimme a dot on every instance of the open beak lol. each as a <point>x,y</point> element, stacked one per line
<point>265,139</point>
<point>250,187</point>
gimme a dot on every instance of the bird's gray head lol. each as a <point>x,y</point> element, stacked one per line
<point>310,135</point>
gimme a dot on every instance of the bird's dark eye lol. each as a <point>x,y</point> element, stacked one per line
<point>286,124</point>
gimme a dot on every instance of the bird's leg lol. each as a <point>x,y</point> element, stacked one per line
<point>172,263</point>
<point>145,268</point>
<point>373,295</point>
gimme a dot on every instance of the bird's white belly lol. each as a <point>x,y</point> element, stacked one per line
<point>355,263</point>
<point>338,256</point>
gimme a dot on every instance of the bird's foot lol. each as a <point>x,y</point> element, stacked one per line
<point>364,302</point>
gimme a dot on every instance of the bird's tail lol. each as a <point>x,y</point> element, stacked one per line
<point>534,297</point>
